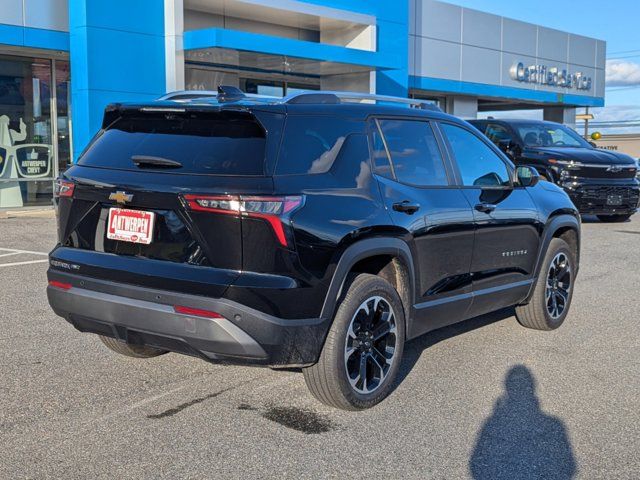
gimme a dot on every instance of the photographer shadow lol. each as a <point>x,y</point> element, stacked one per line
<point>519,440</point>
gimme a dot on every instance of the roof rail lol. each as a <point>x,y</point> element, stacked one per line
<point>188,95</point>
<point>311,96</point>
<point>224,93</point>
<point>230,93</point>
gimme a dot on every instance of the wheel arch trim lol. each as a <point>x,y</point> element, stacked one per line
<point>362,250</point>
<point>554,224</point>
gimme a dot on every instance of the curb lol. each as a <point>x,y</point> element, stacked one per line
<point>47,212</point>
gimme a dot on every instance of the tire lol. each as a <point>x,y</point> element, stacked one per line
<point>614,218</point>
<point>135,351</point>
<point>353,330</point>
<point>539,313</point>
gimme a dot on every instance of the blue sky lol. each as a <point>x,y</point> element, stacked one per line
<point>615,21</point>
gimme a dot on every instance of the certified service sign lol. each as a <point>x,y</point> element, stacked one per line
<point>551,76</point>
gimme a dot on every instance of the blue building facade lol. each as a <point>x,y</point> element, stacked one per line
<point>62,61</point>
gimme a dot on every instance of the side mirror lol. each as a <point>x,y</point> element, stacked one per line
<point>527,176</point>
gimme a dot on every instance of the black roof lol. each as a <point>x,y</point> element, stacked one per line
<point>314,105</point>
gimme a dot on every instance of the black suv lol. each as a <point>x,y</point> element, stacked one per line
<point>599,182</point>
<point>308,232</point>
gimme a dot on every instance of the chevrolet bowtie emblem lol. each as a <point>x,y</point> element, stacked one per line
<point>614,168</point>
<point>121,197</point>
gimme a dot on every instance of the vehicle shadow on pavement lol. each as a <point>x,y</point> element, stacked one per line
<point>520,441</point>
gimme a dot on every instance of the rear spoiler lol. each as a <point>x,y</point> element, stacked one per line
<point>114,111</point>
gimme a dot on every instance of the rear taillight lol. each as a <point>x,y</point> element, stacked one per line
<point>275,210</point>
<point>63,188</point>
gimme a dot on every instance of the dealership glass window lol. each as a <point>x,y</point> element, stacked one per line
<point>63,110</point>
<point>27,129</point>
<point>274,88</point>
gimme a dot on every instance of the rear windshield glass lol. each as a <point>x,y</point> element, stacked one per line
<point>224,143</point>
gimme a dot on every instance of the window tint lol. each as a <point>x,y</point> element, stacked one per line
<point>549,134</point>
<point>497,133</point>
<point>414,152</point>
<point>479,165</point>
<point>225,143</point>
<point>311,144</point>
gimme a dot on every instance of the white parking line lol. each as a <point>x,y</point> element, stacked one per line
<point>9,254</point>
<point>21,263</point>
<point>16,251</point>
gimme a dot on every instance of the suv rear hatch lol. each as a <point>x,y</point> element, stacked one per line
<point>154,200</point>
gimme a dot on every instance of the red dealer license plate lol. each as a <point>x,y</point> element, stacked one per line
<point>133,226</point>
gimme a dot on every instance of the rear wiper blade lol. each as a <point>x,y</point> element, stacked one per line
<point>149,161</point>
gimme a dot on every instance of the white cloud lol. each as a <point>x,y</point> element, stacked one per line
<point>615,113</point>
<point>622,74</point>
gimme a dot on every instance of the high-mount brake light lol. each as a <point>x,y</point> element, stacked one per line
<point>63,188</point>
<point>273,209</point>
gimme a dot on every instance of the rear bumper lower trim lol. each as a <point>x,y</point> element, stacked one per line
<point>146,316</point>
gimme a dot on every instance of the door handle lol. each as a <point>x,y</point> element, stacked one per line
<point>406,207</point>
<point>485,207</point>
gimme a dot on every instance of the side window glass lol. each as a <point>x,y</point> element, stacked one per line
<point>479,165</point>
<point>414,152</point>
<point>497,133</point>
<point>311,144</point>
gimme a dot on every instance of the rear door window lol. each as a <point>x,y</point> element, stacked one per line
<point>414,151</point>
<point>311,143</point>
<point>216,143</point>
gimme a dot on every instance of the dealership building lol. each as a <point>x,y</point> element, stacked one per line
<point>62,61</point>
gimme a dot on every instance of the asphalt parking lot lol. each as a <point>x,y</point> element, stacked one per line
<point>483,399</point>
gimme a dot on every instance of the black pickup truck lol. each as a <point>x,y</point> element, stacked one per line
<point>599,182</point>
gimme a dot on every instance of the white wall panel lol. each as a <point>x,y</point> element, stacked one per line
<point>438,20</point>
<point>45,14</point>
<point>582,50</point>
<point>481,29</point>
<point>49,14</point>
<point>439,59</point>
<point>519,37</point>
<point>601,54</point>
<point>552,44</point>
<point>11,12</point>
<point>480,64</point>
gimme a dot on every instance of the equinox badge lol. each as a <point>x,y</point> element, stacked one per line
<point>121,197</point>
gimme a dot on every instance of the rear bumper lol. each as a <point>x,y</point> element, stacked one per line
<point>144,316</point>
